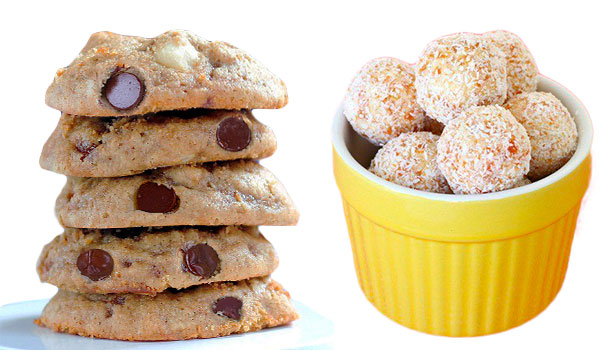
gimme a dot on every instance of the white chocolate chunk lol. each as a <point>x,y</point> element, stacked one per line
<point>179,55</point>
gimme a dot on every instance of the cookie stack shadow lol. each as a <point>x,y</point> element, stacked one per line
<point>164,193</point>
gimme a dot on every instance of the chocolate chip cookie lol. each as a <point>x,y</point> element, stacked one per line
<point>109,147</point>
<point>239,192</point>
<point>207,311</point>
<point>118,75</point>
<point>150,260</point>
<point>164,192</point>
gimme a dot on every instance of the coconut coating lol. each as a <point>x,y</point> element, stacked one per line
<point>521,70</point>
<point>551,129</point>
<point>459,71</point>
<point>381,101</point>
<point>410,160</point>
<point>484,150</point>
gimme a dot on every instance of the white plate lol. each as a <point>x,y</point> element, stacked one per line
<point>18,332</point>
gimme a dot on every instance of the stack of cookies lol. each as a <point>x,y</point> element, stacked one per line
<point>164,193</point>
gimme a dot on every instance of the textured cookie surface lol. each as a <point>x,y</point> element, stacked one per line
<point>207,311</point>
<point>175,70</point>
<point>151,260</point>
<point>229,193</point>
<point>109,147</point>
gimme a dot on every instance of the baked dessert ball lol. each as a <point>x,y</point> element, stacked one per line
<point>521,70</point>
<point>410,160</point>
<point>459,71</point>
<point>551,129</point>
<point>484,150</point>
<point>381,101</point>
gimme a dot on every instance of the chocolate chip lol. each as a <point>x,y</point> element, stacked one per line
<point>85,148</point>
<point>96,264</point>
<point>124,90</point>
<point>233,134</point>
<point>229,306</point>
<point>155,198</point>
<point>201,260</point>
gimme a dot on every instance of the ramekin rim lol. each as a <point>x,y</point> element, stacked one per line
<point>584,144</point>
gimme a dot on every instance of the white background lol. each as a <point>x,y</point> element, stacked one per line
<point>316,48</point>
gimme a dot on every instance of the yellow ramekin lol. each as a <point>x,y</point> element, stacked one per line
<point>461,265</point>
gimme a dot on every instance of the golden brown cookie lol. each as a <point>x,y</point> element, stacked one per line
<point>118,75</point>
<point>230,193</point>
<point>110,147</point>
<point>150,260</point>
<point>207,311</point>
